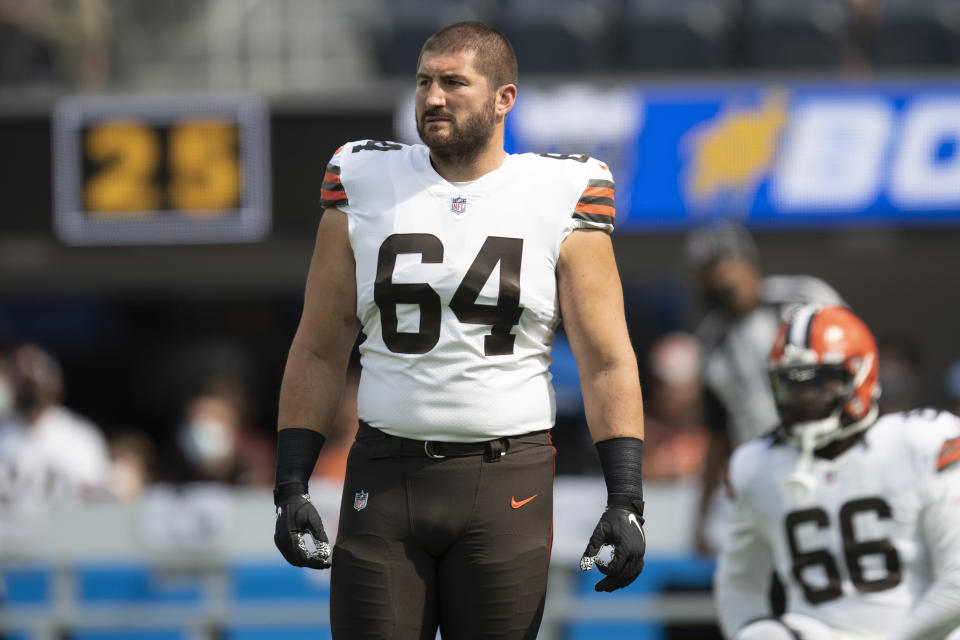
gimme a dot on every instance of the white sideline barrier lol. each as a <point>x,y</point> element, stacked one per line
<point>203,529</point>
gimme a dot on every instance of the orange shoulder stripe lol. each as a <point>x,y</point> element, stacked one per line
<point>603,192</point>
<point>949,453</point>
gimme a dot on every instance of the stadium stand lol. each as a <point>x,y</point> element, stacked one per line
<point>409,22</point>
<point>561,36</point>
<point>783,33</point>
<point>917,33</point>
<point>679,34</point>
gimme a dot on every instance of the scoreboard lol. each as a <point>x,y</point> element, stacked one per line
<point>162,169</point>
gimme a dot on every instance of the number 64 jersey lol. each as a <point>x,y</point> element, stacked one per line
<point>457,285</point>
<point>871,548</point>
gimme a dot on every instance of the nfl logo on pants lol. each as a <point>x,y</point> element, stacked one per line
<point>360,500</point>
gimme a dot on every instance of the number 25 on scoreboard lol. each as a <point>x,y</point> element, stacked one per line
<point>161,169</point>
<point>133,169</point>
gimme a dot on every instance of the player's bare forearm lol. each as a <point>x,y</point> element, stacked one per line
<point>612,401</point>
<point>311,389</point>
<point>591,302</point>
<point>314,376</point>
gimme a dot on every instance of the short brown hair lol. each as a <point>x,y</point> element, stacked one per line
<point>494,57</point>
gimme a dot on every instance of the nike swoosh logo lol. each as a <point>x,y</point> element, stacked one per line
<point>632,518</point>
<point>517,504</point>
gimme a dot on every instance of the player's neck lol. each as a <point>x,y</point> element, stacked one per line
<point>837,447</point>
<point>461,168</point>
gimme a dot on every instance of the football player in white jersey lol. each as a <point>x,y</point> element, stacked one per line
<point>457,261</point>
<point>858,516</point>
<point>745,308</point>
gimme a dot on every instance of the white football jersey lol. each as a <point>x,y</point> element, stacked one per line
<point>457,285</point>
<point>858,550</point>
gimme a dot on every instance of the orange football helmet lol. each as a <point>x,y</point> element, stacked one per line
<point>823,370</point>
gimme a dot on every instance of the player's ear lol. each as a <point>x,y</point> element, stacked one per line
<point>506,98</point>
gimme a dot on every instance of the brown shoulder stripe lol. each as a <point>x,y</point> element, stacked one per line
<point>596,200</point>
<point>332,192</point>
<point>594,182</point>
<point>949,454</point>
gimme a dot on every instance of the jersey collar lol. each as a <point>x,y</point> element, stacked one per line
<point>436,183</point>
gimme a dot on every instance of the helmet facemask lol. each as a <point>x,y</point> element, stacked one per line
<point>812,397</point>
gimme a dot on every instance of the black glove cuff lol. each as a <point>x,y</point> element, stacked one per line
<point>627,502</point>
<point>621,461</point>
<point>286,490</point>
<point>297,452</point>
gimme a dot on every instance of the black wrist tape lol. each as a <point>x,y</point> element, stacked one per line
<point>297,452</point>
<point>621,461</point>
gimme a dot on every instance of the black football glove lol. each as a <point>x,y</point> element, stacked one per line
<point>622,528</point>
<point>297,516</point>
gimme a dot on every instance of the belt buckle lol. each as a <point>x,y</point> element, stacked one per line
<point>431,454</point>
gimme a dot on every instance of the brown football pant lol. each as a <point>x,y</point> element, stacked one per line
<point>461,542</point>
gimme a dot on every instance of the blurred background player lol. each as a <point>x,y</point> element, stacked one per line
<point>743,311</point>
<point>858,516</point>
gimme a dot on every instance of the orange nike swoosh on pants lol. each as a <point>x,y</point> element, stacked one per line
<point>516,505</point>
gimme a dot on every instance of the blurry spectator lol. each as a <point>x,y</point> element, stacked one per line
<point>54,41</point>
<point>49,451</point>
<point>332,463</point>
<point>744,309</point>
<point>216,442</point>
<point>132,456</point>
<point>953,388</point>
<point>675,438</point>
<point>900,364</point>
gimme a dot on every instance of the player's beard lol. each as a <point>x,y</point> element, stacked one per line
<point>466,137</point>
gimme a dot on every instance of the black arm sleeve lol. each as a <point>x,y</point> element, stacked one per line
<point>297,452</point>
<point>621,461</point>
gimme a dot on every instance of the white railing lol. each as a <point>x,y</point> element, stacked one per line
<point>196,537</point>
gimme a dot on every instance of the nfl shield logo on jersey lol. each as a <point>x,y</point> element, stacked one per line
<point>360,500</point>
<point>458,205</point>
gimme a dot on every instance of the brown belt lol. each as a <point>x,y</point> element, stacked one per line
<point>492,450</point>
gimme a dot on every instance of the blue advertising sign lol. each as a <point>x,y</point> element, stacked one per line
<point>789,155</point>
